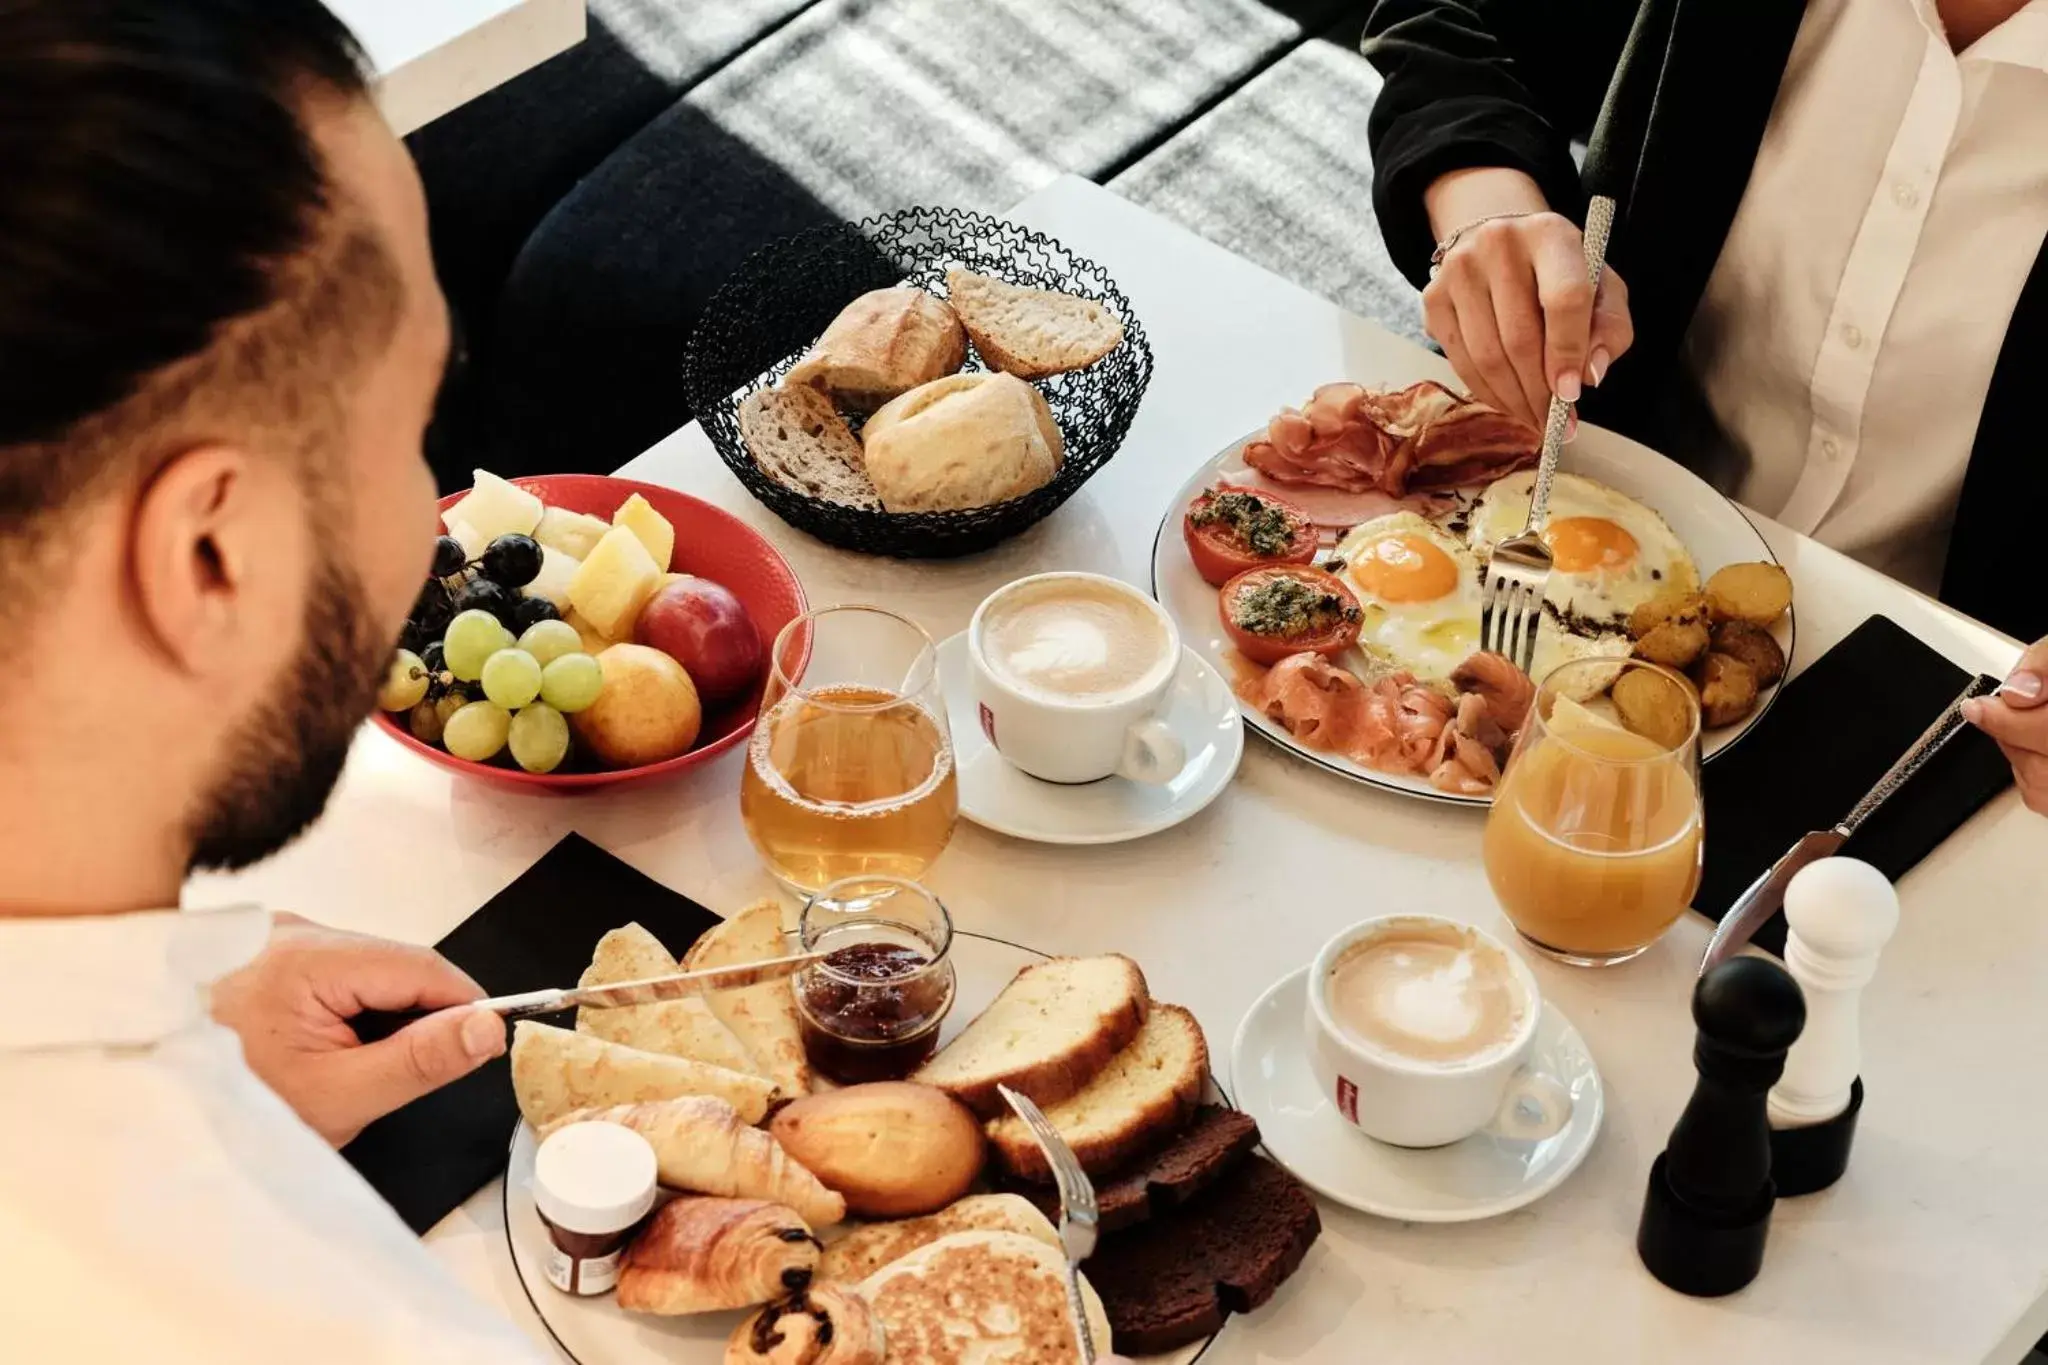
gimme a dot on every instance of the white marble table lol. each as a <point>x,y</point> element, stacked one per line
<point>1935,1246</point>
<point>432,55</point>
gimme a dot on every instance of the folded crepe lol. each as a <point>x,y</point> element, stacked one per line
<point>556,1072</point>
<point>680,1028</point>
<point>763,1016</point>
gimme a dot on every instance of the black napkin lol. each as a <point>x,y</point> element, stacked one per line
<point>1832,733</point>
<point>538,932</point>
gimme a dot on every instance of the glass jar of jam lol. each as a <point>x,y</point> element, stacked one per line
<point>871,1010</point>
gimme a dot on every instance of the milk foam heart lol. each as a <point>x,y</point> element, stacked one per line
<point>1427,992</point>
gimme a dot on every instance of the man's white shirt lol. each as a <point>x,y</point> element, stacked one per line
<point>159,1205</point>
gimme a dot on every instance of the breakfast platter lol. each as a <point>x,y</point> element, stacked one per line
<point>1648,530</point>
<point>824,1151</point>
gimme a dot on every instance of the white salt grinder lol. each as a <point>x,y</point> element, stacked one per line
<point>1839,914</point>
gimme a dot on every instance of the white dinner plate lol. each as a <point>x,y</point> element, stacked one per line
<point>1201,711</point>
<point>596,1331</point>
<point>1481,1177</point>
<point>1711,526</point>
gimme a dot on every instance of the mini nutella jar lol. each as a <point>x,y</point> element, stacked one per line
<point>593,1183</point>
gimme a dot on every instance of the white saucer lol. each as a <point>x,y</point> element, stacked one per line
<point>1201,711</point>
<point>1481,1177</point>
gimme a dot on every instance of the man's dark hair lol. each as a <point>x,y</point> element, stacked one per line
<point>167,230</point>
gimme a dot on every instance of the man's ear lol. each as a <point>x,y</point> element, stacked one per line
<point>197,528</point>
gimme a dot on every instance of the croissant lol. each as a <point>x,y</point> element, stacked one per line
<point>824,1325</point>
<point>700,1144</point>
<point>701,1255</point>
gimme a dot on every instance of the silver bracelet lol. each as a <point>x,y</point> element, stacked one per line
<point>1443,248</point>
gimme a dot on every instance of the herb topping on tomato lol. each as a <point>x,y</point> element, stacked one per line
<point>1273,612</point>
<point>1230,529</point>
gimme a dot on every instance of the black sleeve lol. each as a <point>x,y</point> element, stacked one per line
<point>1483,83</point>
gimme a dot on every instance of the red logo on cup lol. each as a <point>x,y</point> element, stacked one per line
<point>1347,1099</point>
<point>988,723</point>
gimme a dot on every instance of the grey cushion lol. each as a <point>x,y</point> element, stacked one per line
<point>1279,172</point>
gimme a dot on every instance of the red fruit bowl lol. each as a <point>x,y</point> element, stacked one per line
<point>709,544</point>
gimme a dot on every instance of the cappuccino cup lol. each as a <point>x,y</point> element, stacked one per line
<point>1070,671</point>
<point>1419,1030</point>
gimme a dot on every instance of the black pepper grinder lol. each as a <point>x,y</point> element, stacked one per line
<point>1708,1208</point>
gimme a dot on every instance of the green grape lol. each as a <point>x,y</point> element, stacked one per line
<point>477,731</point>
<point>451,701</point>
<point>511,678</point>
<point>472,638</point>
<point>548,641</point>
<point>405,684</point>
<point>427,722</point>
<point>539,738</point>
<point>571,682</point>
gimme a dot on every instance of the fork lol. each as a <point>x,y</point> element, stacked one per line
<point>1079,1219</point>
<point>1511,603</point>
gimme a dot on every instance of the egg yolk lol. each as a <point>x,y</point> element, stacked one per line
<point>1405,569</point>
<point>1589,545</point>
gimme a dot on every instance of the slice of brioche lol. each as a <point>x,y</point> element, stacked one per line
<point>556,1072</point>
<point>763,1016</point>
<point>977,1298</point>
<point>680,1028</point>
<point>1049,1033</point>
<point>1031,333</point>
<point>1146,1094</point>
<point>800,441</point>
<point>865,1250</point>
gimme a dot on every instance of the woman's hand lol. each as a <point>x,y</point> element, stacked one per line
<point>2017,718</point>
<point>1510,302</point>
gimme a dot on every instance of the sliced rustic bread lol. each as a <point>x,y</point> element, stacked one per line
<point>1047,1035</point>
<point>1206,1150</point>
<point>1142,1098</point>
<point>1031,333</point>
<point>800,441</point>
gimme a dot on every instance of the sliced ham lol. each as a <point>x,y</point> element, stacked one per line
<point>1339,509</point>
<point>1356,439</point>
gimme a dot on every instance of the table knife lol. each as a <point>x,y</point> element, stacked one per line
<point>1766,895</point>
<point>371,1025</point>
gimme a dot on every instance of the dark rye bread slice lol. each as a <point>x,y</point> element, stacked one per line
<point>1213,1142</point>
<point>1174,1280</point>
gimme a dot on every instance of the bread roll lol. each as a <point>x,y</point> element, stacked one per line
<point>883,343</point>
<point>824,1325</point>
<point>969,440</point>
<point>891,1148</point>
<point>702,1255</point>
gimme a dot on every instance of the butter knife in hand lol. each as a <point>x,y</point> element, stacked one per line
<point>374,1024</point>
<point>1765,896</point>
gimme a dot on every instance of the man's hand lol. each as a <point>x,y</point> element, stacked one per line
<point>292,1004</point>
<point>2017,717</point>
<point>1510,303</point>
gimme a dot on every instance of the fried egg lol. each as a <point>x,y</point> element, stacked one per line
<point>1610,553</point>
<point>1418,591</point>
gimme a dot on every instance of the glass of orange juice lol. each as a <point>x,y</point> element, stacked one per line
<point>850,767</point>
<point>1593,845</point>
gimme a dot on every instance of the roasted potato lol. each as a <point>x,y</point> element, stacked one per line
<point>1654,705</point>
<point>1680,607</point>
<point>1758,593</point>
<point>1751,643</point>
<point>1675,644</point>
<point>1727,690</point>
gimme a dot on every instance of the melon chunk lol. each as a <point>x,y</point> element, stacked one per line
<point>465,535</point>
<point>497,508</point>
<point>637,515</point>
<point>557,571</point>
<point>575,534</point>
<point>614,583</point>
<point>592,638</point>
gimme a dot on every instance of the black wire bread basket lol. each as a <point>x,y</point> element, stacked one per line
<point>774,306</point>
